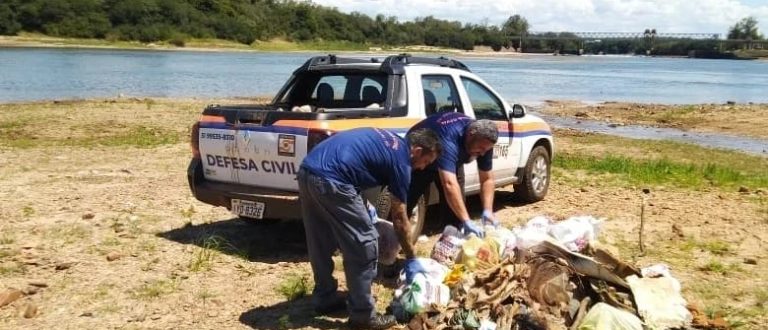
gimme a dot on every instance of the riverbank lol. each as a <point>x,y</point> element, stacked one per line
<point>730,118</point>
<point>218,45</point>
<point>99,222</point>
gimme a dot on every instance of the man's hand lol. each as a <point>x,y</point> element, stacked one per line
<point>402,226</point>
<point>470,227</point>
<point>489,218</point>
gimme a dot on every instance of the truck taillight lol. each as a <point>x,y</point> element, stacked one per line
<point>194,140</point>
<point>315,136</point>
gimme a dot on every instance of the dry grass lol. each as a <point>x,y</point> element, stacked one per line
<point>188,265</point>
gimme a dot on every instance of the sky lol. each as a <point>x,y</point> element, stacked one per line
<point>666,16</point>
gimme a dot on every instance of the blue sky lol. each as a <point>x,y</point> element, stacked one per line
<point>670,16</point>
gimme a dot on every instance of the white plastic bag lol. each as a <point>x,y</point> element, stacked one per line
<point>606,317</point>
<point>389,246</point>
<point>429,267</point>
<point>575,232</point>
<point>502,236</point>
<point>534,232</point>
<point>422,292</point>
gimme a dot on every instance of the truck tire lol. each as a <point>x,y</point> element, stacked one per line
<point>534,184</point>
<point>383,203</point>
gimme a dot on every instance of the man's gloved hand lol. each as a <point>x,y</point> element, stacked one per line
<point>470,227</point>
<point>411,268</point>
<point>489,218</point>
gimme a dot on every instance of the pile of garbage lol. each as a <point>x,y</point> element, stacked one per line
<point>543,275</point>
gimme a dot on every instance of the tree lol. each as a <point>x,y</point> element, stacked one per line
<point>8,23</point>
<point>746,29</point>
<point>515,25</point>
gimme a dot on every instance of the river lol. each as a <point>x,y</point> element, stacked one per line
<point>30,74</point>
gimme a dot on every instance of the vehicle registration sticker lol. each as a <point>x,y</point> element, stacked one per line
<point>248,209</point>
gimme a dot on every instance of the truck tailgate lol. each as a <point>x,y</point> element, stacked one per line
<point>252,153</point>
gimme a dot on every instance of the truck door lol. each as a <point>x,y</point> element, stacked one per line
<point>486,105</point>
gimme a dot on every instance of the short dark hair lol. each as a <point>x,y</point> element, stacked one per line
<point>426,139</point>
<point>485,129</point>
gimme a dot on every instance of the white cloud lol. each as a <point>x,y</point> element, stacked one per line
<point>678,16</point>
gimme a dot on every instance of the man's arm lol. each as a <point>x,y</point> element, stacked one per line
<point>453,194</point>
<point>402,226</point>
<point>487,189</point>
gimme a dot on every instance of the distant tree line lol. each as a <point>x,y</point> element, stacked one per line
<point>244,21</point>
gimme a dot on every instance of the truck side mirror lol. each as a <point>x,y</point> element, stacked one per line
<point>518,111</point>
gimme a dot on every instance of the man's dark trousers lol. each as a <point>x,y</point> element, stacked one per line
<point>335,217</point>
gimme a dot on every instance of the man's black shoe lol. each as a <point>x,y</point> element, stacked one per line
<point>337,304</point>
<point>377,322</point>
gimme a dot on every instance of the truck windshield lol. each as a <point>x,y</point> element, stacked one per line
<point>325,91</point>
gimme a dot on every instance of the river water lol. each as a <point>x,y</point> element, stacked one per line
<point>31,74</point>
<point>28,74</point>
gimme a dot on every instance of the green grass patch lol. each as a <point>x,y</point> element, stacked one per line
<point>683,153</point>
<point>294,287</point>
<point>204,257</point>
<point>761,298</point>
<point>716,247</point>
<point>716,266</point>
<point>136,136</point>
<point>70,233</point>
<point>155,289</point>
<point>7,239</point>
<point>11,268</point>
<point>662,171</point>
<point>27,211</point>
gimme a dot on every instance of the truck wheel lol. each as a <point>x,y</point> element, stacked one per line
<point>535,181</point>
<point>383,204</point>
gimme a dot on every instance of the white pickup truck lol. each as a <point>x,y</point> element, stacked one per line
<point>245,157</point>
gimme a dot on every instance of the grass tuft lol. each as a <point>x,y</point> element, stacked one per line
<point>294,287</point>
<point>155,289</point>
<point>203,259</point>
<point>715,266</point>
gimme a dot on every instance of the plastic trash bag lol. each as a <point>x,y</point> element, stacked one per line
<point>606,317</point>
<point>477,253</point>
<point>389,246</point>
<point>448,246</point>
<point>432,269</point>
<point>659,303</point>
<point>505,240</point>
<point>575,232</point>
<point>534,232</point>
<point>423,292</point>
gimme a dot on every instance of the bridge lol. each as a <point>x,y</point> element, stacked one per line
<point>538,35</point>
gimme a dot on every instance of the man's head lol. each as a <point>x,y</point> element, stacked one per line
<point>481,136</point>
<point>425,147</point>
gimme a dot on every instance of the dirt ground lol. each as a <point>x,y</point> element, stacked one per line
<point>110,237</point>
<point>734,119</point>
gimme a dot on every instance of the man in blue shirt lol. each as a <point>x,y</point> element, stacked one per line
<point>464,140</point>
<point>330,180</point>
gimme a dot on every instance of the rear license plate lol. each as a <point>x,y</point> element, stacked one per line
<point>248,209</point>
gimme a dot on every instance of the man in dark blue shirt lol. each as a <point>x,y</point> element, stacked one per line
<point>463,140</point>
<point>331,179</point>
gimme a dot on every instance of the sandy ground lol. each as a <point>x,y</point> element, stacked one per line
<point>734,119</point>
<point>110,237</point>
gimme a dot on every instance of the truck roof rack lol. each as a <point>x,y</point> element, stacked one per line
<point>395,63</point>
<point>332,59</point>
<point>391,64</point>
